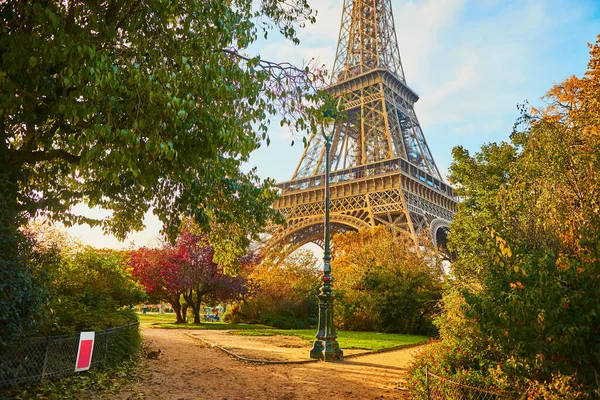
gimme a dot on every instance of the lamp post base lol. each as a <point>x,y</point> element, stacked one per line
<point>326,350</point>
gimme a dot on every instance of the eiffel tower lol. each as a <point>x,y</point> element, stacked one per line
<point>382,171</point>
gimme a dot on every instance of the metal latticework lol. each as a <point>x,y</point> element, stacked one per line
<point>382,169</point>
<point>34,360</point>
<point>439,388</point>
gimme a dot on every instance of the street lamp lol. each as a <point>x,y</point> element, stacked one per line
<point>326,346</point>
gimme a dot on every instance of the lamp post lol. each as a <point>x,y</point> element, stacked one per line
<point>326,346</point>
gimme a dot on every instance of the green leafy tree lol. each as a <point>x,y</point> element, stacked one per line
<point>527,236</point>
<point>132,105</point>
<point>91,290</point>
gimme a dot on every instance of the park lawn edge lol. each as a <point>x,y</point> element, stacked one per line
<point>221,326</point>
<point>372,341</point>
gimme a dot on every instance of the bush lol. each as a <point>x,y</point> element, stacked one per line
<point>22,287</point>
<point>90,290</point>
<point>527,239</point>
<point>282,293</point>
<point>449,360</point>
<point>382,284</point>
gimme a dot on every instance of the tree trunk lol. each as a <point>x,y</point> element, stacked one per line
<point>199,304</point>
<point>189,298</point>
<point>177,309</point>
<point>197,314</point>
<point>184,308</point>
<point>176,304</point>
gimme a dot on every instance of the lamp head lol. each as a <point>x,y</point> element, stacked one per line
<point>329,112</point>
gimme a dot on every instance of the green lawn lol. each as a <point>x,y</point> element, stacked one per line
<point>156,318</point>
<point>347,340</point>
<point>167,321</point>
<point>222,326</point>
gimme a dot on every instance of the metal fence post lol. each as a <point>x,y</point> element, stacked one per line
<point>106,334</point>
<point>44,366</point>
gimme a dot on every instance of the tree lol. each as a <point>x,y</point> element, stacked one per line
<point>383,283</point>
<point>202,277</point>
<point>129,105</point>
<point>88,291</point>
<point>282,291</point>
<point>22,287</point>
<point>159,272</point>
<point>186,270</point>
<point>527,236</point>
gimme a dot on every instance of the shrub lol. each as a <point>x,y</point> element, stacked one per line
<point>383,284</point>
<point>527,239</point>
<point>90,290</point>
<point>449,360</point>
<point>282,293</point>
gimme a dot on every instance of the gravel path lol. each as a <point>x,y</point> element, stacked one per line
<point>187,369</point>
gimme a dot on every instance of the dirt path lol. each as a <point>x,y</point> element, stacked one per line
<point>272,348</point>
<point>187,369</point>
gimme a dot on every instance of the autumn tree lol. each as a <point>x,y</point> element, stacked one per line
<point>282,291</point>
<point>159,272</point>
<point>527,238</point>
<point>187,271</point>
<point>384,283</point>
<point>202,276</point>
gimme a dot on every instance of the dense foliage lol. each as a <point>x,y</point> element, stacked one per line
<point>131,105</point>
<point>22,288</point>
<point>383,284</point>
<point>81,288</point>
<point>90,290</point>
<point>525,301</point>
<point>282,292</point>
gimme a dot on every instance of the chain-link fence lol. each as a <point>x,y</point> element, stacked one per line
<point>34,360</point>
<point>440,388</point>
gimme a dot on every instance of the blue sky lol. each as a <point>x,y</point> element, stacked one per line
<point>471,62</point>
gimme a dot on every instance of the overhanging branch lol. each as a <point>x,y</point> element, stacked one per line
<point>30,157</point>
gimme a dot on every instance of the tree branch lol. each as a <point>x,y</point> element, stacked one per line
<point>30,157</point>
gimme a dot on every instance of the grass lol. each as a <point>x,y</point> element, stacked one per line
<point>167,321</point>
<point>156,318</point>
<point>221,326</point>
<point>347,340</point>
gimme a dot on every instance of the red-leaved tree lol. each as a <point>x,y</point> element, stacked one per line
<point>160,272</point>
<point>187,270</point>
<point>203,278</point>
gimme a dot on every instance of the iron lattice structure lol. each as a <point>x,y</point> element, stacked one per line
<point>383,172</point>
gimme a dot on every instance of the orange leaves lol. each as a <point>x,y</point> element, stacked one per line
<point>517,285</point>
<point>562,263</point>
